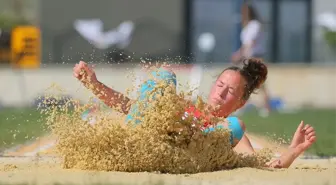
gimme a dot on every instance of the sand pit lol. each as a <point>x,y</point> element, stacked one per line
<point>163,148</point>
<point>47,170</point>
<point>165,141</point>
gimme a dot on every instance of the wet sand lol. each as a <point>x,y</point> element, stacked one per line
<point>47,170</point>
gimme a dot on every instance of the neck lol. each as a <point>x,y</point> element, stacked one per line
<point>218,113</point>
<point>215,112</point>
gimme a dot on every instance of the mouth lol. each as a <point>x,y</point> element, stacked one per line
<point>217,101</point>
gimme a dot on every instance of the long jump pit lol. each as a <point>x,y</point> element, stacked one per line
<point>37,163</point>
<point>162,150</point>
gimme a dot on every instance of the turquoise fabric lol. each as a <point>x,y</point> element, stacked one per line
<point>148,86</point>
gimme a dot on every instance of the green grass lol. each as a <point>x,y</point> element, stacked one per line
<point>280,125</point>
<point>19,125</point>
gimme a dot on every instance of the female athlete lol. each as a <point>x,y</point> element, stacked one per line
<point>230,92</point>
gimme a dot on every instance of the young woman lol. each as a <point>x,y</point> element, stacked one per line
<point>230,92</point>
<point>252,37</point>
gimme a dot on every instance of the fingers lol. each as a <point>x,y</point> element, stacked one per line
<point>306,127</point>
<point>76,75</point>
<point>81,63</point>
<point>275,164</point>
<point>83,66</point>
<point>86,66</point>
<point>309,130</point>
<point>76,71</point>
<point>310,133</point>
<point>88,69</point>
<point>312,139</point>
<point>79,68</point>
<point>300,127</point>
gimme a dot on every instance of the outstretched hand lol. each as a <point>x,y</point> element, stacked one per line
<point>304,137</point>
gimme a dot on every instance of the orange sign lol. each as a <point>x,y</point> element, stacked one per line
<point>26,47</point>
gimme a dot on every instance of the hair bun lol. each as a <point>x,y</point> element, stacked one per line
<point>257,71</point>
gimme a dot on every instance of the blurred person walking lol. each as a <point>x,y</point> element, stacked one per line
<point>252,45</point>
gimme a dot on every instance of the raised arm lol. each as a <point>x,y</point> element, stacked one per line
<point>303,138</point>
<point>110,97</point>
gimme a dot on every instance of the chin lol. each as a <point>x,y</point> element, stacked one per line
<point>221,113</point>
<point>215,106</point>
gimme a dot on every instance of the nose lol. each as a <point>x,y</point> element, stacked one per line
<point>223,91</point>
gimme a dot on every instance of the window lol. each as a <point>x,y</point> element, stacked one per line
<point>286,24</point>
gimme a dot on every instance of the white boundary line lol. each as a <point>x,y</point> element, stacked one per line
<point>40,149</point>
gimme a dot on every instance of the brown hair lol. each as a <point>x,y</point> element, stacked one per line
<point>250,13</point>
<point>254,72</point>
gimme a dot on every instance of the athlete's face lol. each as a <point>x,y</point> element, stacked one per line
<point>227,92</point>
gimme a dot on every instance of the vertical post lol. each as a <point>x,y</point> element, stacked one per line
<point>18,8</point>
<point>275,32</point>
<point>309,35</point>
<point>237,6</point>
<point>188,6</point>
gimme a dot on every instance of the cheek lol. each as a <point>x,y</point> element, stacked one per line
<point>212,92</point>
<point>230,101</point>
<point>231,98</point>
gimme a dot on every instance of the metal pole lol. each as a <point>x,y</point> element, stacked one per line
<point>237,27</point>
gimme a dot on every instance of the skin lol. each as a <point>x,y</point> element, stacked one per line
<point>225,97</point>
<point>110,97</point>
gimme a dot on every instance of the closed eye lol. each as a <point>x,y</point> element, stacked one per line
<point>232,91</point>
<point>220,84</point>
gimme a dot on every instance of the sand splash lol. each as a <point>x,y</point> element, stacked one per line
<point>163,142</point>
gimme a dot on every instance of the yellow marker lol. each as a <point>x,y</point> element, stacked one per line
<point>26,47</point>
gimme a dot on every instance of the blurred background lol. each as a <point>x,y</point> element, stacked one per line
<point>40,42</point>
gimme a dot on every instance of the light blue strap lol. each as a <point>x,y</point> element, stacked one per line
<point>237,131</point>
<point>148,86</point>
